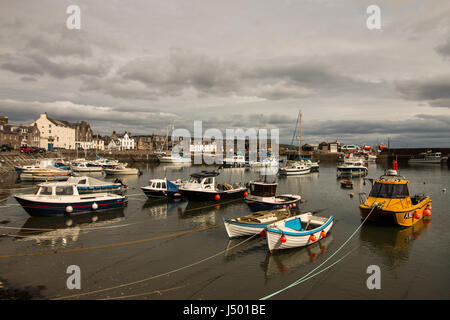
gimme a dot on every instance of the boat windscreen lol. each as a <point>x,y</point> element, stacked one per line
<point>389,190</point>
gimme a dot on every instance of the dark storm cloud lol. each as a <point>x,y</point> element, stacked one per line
<point>183,70</point>
<point>433,89</point>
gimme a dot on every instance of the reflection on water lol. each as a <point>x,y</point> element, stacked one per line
<point>59,231</point>
<point>283,261</point>
<point>391,242</point>
<point>160,208</point>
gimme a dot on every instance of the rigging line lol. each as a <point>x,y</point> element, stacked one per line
<point>109,245</point>
<point>156,276</point>
<point>326,260</point>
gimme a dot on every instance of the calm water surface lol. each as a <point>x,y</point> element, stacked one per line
<point>414,262</point>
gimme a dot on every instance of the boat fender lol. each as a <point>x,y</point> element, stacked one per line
<point>323,234</point>
<point>262,233</point>
<point>217,197</point>
<point>417,215</point>
<point>312,238</point>
<point>245,194</point>
<point>69,209</point>
<point>283,239</point>
<point>95,206</point>
<point>427,212</point>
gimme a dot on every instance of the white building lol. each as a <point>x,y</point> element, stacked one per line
<point>55,133</point>
<point>126,142</point>
<point>98,143</point>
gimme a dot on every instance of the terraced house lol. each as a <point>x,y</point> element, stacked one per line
<point>63,134</point>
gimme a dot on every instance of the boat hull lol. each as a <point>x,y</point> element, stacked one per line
<point>152,193</point>
<point>121,171</point>
<point>294,172</point>
<point>403,218</point>
<point>239,229</point>
<point>255,205</point>
<point>40,208</point>
<point>197,195</point>
<point>295,239</point>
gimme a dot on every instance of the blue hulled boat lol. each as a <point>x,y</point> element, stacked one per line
<point>62,198</point>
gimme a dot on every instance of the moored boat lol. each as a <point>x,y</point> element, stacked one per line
<point>253,223</point>
<point>263,197</point>
<point>86,167</point>
<point>390,200</point>
<point>62,198</point>
<point>162,188</point>
<point>44,174</point>
<point>202,186</point>
<point>295,169</point>
<point>428,157</point>
<point>121,170</point>
<point>297,231</point>
<point>346,183</point>
<point>352,168</point>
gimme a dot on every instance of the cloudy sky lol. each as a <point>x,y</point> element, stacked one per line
<point>139,65</point>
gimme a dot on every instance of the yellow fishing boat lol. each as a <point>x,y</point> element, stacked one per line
<point>389,200</point>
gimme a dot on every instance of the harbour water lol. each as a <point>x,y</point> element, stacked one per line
<point>158,249</point>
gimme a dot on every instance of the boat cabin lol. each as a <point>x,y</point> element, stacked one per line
<point>158,184</point>
<point>202,180</point>
<point>57,189</point>
<point>390,187</point>
<point>263,189</point>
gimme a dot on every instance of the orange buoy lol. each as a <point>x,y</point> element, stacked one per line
<point>312,238</point>
<point>323,234</point>
<point>429,207</point>
<point>217,197</point>
<point>417,215</point>
<point>284,206</point>
<point>294,205</point>
<point>427,212</point>
<point>290,206</point>
<point>283,239</point>
<point>246,194</point>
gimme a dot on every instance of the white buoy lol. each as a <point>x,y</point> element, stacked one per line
<point>69,209</point>
<point>444,190</point>
<point>94,206</point>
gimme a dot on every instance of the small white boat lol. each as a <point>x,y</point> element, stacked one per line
<point>44,174</point>
<point>267,162</point>
<point>121,170</point>
<point>236,161</point>
<point>253,223</point>
<point>428,157</point>
<point>86,167</point>
<point>297,231</point>
<point>162,188</point>
<point>174,158</point>
<point>295,169</point>
<point>353,168</point>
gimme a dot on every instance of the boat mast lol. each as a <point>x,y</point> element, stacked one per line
<point>300,135</point>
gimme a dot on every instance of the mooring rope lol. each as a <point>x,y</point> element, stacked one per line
<point>156,276</point>
<point>108,245</point>
<point>305,277</point>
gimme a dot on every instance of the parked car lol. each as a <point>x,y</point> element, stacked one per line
<point>39,150</point>
<point>26,149</point>
<point>5,147</point>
